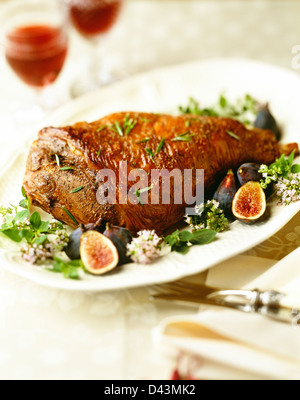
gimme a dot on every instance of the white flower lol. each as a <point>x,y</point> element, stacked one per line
<point>146,248</point>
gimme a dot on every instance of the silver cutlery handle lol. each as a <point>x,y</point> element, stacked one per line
<point>269,303</point>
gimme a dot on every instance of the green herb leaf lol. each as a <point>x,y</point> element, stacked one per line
<point>24,193</point>
<point>21,216</point>
<point>185,236</point>
<point>101,128</point>
<point>184,137</point>
<point>150,152</point>
<point>70,270</point>
<point>44,226</point>
<point>118,128</point>
<point>146,140</point>
<point>70,215</point>
<point>129,124</point>
<point>203,236</point>
<point>40,240</point>
<point>35,220</point>
<point>67,168</point>
<point>160,146</point>
<point>27,234</point>
<point>13,234</point>
<point>233,135</point>
<point>78,189</point>
<point>295,169</point>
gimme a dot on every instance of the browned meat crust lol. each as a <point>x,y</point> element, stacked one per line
<point>90,147</point>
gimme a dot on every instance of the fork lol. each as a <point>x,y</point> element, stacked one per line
<point>268,303</point>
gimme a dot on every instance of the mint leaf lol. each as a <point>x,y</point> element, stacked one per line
<point>44,226</point>
<point>21,215</point>
<point>185,236</point>
<point>35,220</point>
<point>13,234</point>
<point>26,234</point>
<point>295,169</point>
<point>40,240</point>
<point>203,236</point>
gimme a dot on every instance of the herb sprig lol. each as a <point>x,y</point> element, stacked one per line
<point>182,241</point>
<point>41,239</point>
<point>245,109</point>
<point>69,269</point>
<point>281,168</point>
<point>184,137</point>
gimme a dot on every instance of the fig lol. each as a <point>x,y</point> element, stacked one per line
<point>265,120</point>
<point>226,192</point>
<point>120,238</point>
<point>98,253</point>
<point>249,172</point>
<point>249,203</point>
<point>73,248</point>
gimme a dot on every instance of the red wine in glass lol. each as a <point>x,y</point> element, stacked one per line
<point>94,17</point>
<point>36,53</point>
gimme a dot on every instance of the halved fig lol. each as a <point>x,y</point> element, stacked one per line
<point>249,203</point>
<point>98,253</point>
<point>72,249</point>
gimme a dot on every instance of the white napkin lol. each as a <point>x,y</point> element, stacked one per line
<point>235,345</point>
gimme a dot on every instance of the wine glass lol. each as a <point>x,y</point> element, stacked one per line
<point>94,20</point>
<point>34,35</point>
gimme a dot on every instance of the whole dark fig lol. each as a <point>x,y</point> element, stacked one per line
<point>120,238</point>
<point>249,172</point>
<point>226,192</point>
<point>265,120</point>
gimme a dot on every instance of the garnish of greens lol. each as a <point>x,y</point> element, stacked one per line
<point>208,216</point>
<point>159,148</point>
<point>141,191</point>
<point>182,241</point>
<point>285,175</point>
<point>184,137</point>
<point>244,109</point>
<point>70,269</point>
<point>122,129</point>
<point>40,240</point>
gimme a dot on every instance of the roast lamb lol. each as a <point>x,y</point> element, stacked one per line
<point>63,163</point>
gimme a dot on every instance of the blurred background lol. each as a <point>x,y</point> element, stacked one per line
<point>154,33</point>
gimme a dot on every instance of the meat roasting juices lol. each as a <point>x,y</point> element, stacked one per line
<point>36,53</point>
<point>94,17</point>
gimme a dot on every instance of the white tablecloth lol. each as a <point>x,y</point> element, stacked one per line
<point>52,334</point>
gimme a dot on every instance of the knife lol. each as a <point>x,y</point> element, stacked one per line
<point>270,303</point>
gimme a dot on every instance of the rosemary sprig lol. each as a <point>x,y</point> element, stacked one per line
<point>141,191</point>
<point>184,137</point>
<point>233,135</point>
<point>146,140</point>
<point>129,124</point>
<point>160,146</point>
<point>70,215</point>
<point>66,168</point>
<point>78,189</point>
<point>118,128</point>
<point>101,128</point>
<point>150,152</point>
